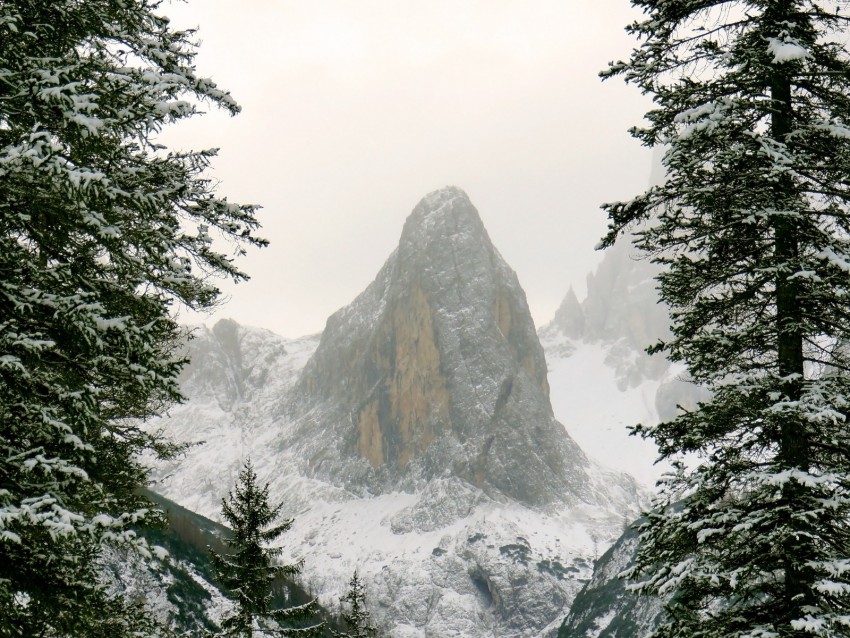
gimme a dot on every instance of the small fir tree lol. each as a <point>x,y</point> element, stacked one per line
<point>356,616</point>
<point>250,569</point>
<point>750,537</point>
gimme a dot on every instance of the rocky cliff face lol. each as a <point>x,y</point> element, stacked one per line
<point>436,371</point>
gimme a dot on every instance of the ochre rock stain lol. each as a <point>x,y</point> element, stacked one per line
<point>411,405</point>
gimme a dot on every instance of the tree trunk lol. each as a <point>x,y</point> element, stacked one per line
<point>793,443</point>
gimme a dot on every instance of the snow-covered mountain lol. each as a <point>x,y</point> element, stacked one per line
<point>415,441</point>
<point>602,379</point>
<point>436,372</point>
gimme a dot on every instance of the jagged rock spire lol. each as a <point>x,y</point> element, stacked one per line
<point>436,370</point>
<point>569,318</point>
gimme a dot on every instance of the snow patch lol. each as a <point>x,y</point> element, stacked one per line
<point>786,50</point>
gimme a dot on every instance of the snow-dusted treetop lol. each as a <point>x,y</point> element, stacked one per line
<point>104,231</point>
<point>751,103</point>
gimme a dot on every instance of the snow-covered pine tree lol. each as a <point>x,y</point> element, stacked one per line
<point>249,570</point>
<point>751,533</point>
<point>103,235</point>
<point>355,615</point>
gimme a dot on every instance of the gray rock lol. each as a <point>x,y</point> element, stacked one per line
<point>436,371</point>
<point>621,311</point>
<point>569,318</point>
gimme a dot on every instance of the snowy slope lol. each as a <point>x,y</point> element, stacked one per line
<point>602,381</point>
<point>235,383</point>
<point>597,413</point>
<point>174,581</point>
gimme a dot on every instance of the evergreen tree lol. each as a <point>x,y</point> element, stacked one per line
<point>250,569</point>
<point>356,617</point>
<point>750,535</point>
<point>104,234</point>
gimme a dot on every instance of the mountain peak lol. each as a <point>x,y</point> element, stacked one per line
<point>569,318</point>
<point>444,220</point>
<point>435,371</point>
<point>437,199</point>
<point>417,439</point>
<point>441,206</point>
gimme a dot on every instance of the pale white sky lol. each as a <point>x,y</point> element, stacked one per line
<point>355,109</point>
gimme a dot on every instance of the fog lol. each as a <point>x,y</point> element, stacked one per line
<point>352,111</point>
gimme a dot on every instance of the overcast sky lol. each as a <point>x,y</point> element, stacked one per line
<point>355,109</point>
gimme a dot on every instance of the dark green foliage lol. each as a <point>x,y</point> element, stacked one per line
<point>750,535</point>
<point>186,536</point>
<point>555,568</point>
<point>519,552</point>
<point>248,569</point>
<point>102,233</point>
<point>355,616</point>
<point>628,614</point>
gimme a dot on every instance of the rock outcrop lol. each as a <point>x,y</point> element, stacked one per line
<point>621,311</point>
<point>623,315</point>
<point>569,318</point>
<point>435,371</point>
